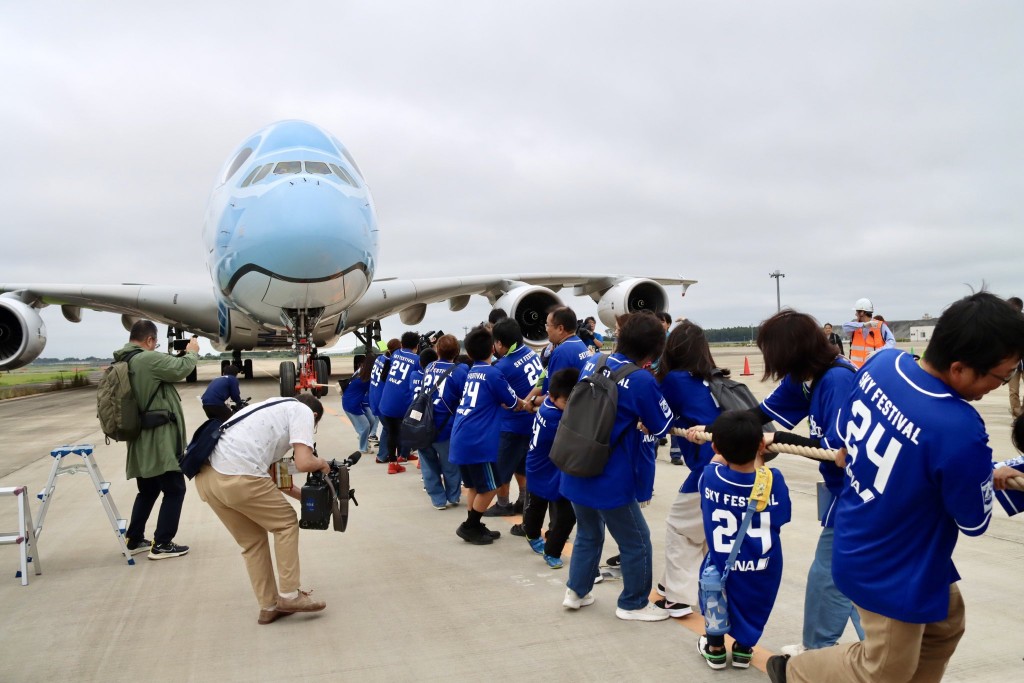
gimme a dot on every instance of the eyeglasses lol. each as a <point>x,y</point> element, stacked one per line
<point>1002,380</point>
<point>156,344</point>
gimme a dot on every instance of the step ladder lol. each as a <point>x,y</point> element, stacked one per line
<point>87,464</point>
<point>25,536</point>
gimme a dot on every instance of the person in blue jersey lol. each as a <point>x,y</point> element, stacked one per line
<point>568,351</point>
<point>378,377</point>
<point>753,581</point>
<point>441,477</point>
<point>684,372</point>
<point>353,402</point>
<point>542,477</point>
<point>815,381</point>
<point>219,391</point>
<point>521,367</point>
<point>1011,499</point>
<point>612,499</point>
<point>919,473</point>
<point>475,437</point>
<point>396,397</point>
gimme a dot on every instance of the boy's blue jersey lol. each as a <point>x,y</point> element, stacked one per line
<point>1011,500</point>
<point>570,353</point>
<point>398,389</point>
<point>447,397</point>
<point>919,469</point>
<point>521,369</point>
<point>416,381</point>
<point>542,476</point>
<point>691,402</point>
<point>629,474</point>
<point>475,435</point>
<point>377,383</point>
<point>355,395</point>
<point>793,400</point>
<point>754,579</point>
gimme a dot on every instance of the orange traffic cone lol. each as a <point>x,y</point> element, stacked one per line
<point>746,368</point>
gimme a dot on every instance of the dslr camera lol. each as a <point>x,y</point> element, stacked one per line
<point>429,339</point>
<point>326,497</point>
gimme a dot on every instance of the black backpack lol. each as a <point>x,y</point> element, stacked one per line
<point>582,442</point>
<point>732,395</point>
<point>418,430</point>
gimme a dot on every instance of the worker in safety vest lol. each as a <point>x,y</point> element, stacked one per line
<point>866,335</point>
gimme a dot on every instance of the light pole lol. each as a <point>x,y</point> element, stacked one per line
<point>778,296</point>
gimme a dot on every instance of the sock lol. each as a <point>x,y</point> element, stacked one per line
<point>503,500</point>
<point>716,643</point>
<point>289,596</point>
<point>473,517</point>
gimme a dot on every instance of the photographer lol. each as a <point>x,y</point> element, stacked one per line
<point>586,331</point>
<point>219,391</point>
<point>236,483</point>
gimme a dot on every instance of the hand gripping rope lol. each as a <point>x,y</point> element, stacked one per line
<point>821,454</point>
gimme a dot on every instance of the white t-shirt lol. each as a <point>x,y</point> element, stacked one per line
<point>250,447</point>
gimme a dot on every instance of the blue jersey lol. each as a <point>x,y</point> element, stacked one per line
<point>398,388</point>
<point>794,400</point>
<point>919,470</point>
<point>220,390</point>
<point>475,435</point>
<point>692,404</point>
<point>1011,500</point>
<point>570,353</point>
<point>377,383</point>
<point>355,395</point>
<point>542,476</point>
<point>754,579</point>
<point>629,474</point>
<point>521,369</point>
<point>448,395</point>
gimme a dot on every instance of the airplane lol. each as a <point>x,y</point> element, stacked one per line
<point>291,239</point>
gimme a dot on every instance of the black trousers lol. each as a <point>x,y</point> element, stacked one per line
<point>563,519</point>
<point>172,485</point>
<point>220,411</point>
<point>393,426</point>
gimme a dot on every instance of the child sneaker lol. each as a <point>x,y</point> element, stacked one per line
<point>554,562</point>
<point>476,535</point>
<point>537,544</point>
<point>395,468</point>
<point>741,656</point>
<point>716,660</point>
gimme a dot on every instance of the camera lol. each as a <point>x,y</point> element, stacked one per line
<point>325,497</point>
<point>429,339</point>
<point>181,344</point>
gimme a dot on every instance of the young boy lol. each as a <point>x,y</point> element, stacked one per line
<point>542,476</point>
<point>754,579</point>
<point>475,436</point>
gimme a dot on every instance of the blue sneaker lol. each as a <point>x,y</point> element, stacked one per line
<point>537,544</point>
<point>553,562</point>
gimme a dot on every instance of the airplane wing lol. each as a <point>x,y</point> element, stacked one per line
<point>189,308</point>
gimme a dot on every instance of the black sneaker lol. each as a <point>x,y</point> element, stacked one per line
<point>139,546</point>
<point>741,656</point>
<point>674,609</point>
<point>613,561</point>
<point>517,507</point>
<point>165,550</point>
<point>716,660</point>
<point>499,510</point>
<point>776,668</point>
<point>474,535</point>
<point>517,530</point>
<point>490,532</point>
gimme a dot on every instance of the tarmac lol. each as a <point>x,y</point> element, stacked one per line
<point>406,599</point>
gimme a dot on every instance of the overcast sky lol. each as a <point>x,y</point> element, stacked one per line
<point>864,149</point>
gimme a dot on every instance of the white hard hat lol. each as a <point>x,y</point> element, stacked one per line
<point>864,305</point>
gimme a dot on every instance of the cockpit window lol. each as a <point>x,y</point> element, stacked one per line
<point>258,174</point>
<point>317,167</point>
<point>286,167</point>
<point>240,159</point>
<point>340,172</point>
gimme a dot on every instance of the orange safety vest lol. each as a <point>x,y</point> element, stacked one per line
<point>861,348</point>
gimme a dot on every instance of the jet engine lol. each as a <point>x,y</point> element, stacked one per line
<point>528,305</point>
<point>22,334</point>
<point>631,296</point>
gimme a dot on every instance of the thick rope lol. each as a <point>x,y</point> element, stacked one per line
<point>821,454</point>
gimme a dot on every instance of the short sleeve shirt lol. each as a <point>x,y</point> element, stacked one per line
<point>251,446</point>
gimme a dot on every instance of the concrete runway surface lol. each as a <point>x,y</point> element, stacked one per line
<point>407,600</point>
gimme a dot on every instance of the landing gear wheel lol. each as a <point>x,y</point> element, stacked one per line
<point>224,366</point>
<point>327,360</point>
<point>323,376</point>
<point>247,368</point>
<point>287,379</point>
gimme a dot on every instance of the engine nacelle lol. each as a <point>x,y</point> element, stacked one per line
<point>631,296</point>
<point>528,305</point>
<point>22,334</point>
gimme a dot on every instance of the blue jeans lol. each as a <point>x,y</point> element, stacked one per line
<point>362,426</point>
<point>440,477</point>
<point>382,442</point>
<point>630,531</point>
<point>825,608</point>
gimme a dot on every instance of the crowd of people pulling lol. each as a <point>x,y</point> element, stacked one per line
<point>912,470</point>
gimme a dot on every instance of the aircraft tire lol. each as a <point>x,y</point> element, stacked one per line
<point>224,366</point>
<point>191,378</point>
<point>323,376</point>
<point>247,368</point>
<point>287,379</point>
<point>327,360</point>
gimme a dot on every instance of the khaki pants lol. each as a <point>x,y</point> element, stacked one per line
<point>250,507</point>
<point>892,651</point>
<point>684,549</point>
<point>1015,394</point>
